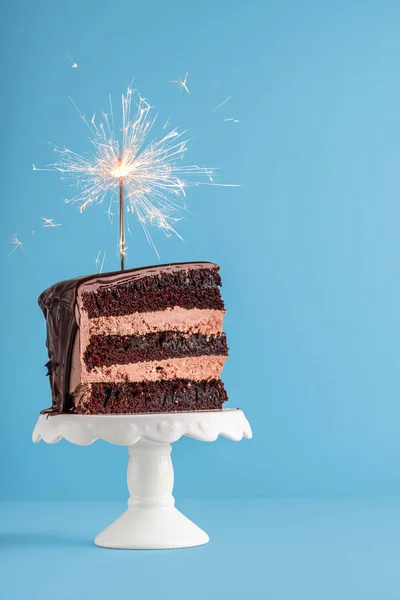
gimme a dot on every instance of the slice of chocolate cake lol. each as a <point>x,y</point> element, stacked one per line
<point>138,341</point>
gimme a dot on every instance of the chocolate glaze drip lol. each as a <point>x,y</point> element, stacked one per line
<point>58,304</point>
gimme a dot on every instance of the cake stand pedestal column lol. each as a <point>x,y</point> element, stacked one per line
<point>151,520</point>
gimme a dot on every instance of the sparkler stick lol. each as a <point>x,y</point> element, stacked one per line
<point>121,219</point>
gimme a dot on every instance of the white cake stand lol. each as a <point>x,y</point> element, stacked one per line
<point>151,520</point>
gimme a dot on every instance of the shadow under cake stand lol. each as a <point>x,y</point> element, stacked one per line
<point>151,520</point>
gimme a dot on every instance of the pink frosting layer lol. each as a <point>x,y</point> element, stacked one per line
<point>196,368</point>
<point>207,322</point>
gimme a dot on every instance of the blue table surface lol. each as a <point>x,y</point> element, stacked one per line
<point>260,548</point>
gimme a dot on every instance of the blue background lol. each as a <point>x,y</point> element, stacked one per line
<point>308,246</point>
<point>309,251</point>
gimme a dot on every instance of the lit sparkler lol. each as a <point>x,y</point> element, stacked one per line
<point>144,173</point>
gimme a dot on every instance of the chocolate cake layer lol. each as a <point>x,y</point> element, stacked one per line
<point>198,288</point>
<point>150,397</point>
<point>121,350</point>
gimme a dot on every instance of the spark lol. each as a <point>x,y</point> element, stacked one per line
<point>50,222</point>
<point>110,214</point>
<point>166,124</point>
<point>84,205</point>
<point>233,120</point>
<point>102,263</point>
<point>150,168</point>
<point>222,103</point>
<point>97,260</point>
<point>74,64</point>
<point>209,173</point>
<point>182,83</point>
<point>16,243</point>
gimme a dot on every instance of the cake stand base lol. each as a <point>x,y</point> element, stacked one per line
<point>152,529</point>
<point>151,520</point>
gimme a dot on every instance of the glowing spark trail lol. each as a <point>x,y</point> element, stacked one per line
<point>182,83</point>
<point>233,120</point>
<point>109,213</point>
<point>142,172</point>
<point>16,243</point>
<point>222,103</point>
<point>102,263</point>
<point>97,261</point>
<point>209,173</point>
<point>50,222</point>
<point>74,64</point>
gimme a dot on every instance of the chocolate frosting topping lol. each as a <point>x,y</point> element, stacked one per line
<point>58,304</point>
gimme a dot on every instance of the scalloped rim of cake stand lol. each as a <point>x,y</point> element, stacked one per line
<point>126,430</point>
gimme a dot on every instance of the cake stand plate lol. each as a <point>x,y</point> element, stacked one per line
<point>151,520</point>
